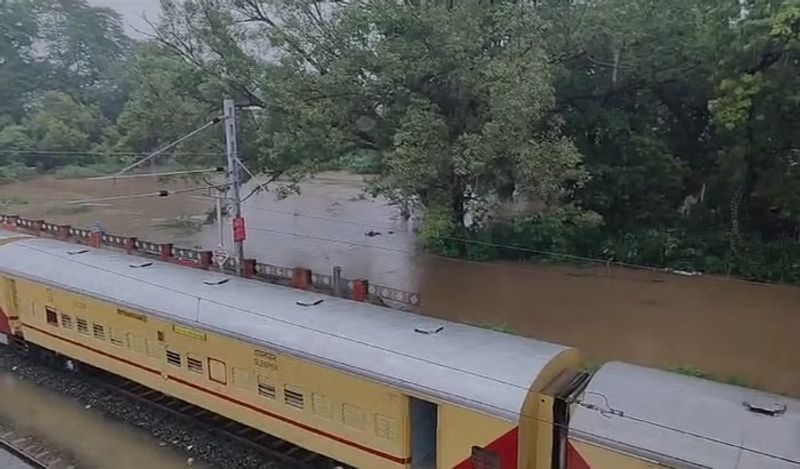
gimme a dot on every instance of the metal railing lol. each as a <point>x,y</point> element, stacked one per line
<point>333,284</point>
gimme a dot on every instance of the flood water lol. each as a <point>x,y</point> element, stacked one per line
<point>91,438</point>
<point>723,326</point>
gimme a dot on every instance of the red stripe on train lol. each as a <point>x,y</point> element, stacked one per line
<point>506,447</point>
<point>5,327</point>
<point>574,458</point>
<point>395,459</point>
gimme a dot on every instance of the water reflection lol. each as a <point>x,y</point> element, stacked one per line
<point>94,440</point>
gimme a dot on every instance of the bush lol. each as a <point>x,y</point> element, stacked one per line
<point>362,162</point>
<point>86,171</point>
<point>568,231</point>
<point>15,172</point>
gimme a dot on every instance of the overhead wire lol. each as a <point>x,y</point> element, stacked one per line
<point>389,378</point>
<point>159,193</point>
<point>98,153</point>
<point>150,175</point>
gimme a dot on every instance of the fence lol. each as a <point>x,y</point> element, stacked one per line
<point>297,277</point>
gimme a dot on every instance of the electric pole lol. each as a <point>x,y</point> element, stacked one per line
<point>232,150</point>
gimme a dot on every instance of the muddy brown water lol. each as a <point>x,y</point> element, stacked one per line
<point>88,436</point>
<point>723,326</point>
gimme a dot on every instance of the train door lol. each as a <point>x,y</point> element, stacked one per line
<point>424,420</point>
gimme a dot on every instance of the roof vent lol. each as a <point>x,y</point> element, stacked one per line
<point>765,406</point>
<point>73,252</point>
<point>139,265</point>
<point>216,281</point>
<point>429,329</point>
<point>310,302</point>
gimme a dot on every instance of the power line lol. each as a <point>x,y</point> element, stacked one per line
<point>170,145</point>
<point>160,193</point>
<point>150,175</point>
<point>96,153</point>
<point>610,413</point>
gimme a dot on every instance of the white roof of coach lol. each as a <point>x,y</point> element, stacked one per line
<point>691,421</point>
<point>468,366</point>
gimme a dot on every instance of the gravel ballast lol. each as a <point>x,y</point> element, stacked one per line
<point>195,443</point>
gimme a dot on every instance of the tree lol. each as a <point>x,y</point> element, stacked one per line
<point>18,66</point>
<point>455,98</point>
<point>635,78</point>
<point>85,49</point>
<point>756,113</point>
<point>61,129</point>
<point>14,141</point>
<point>168,99</point>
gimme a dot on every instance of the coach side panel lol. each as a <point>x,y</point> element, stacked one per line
<point>588,455</point>
<point>347,418</point>
<point>468,440</point>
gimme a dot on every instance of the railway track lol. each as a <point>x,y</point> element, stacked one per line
<point>281,452</point>
<point>31,451</point>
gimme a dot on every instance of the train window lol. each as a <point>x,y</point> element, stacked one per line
<point>265,387</point>
<point>160,336</point>
<point>115,336</point>
<point>484,459</point>
<point>83,326</point>
<point>52,316</point>
<point>136,343</point>
<point>99,331</point>
<point>174,358</point>
<point>293,396</point>
<point>242,378</point>
<point>194,363</point>
<point>321,405</point>
<point>66,321</point>
<point>354,416</point>
<point>217,371</point>
<point>385,427</point>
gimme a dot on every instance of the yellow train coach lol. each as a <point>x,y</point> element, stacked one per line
<point>373,387</point>
<point>364,385</point>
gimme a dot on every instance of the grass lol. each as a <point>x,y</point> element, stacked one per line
<point>690,370</point>
<point>13,200</point>
<point>15,172</point>
<point>591,366</point>
<point>498,327</point>
<point>85,171</point>
<point>182,224</point>
<point>68,209</point>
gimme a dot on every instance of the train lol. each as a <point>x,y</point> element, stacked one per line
<point>370,386</point>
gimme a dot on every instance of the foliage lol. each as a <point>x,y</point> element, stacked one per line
<point>62,128</point>
<point>498,327</point>
<point>15,172</point>
<point>62,80</point>
<point>362,162</point>
<point>168,99</point>
<point>645,132</point>
<point>453,120</point>
<point>68,209</point>
<point>181,224</point>
<point>690,370</point>
<point>74,171</point>
<point>13,201</point>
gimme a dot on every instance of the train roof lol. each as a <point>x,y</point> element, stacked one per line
<point>688,421</point>
<point>464,365</point>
